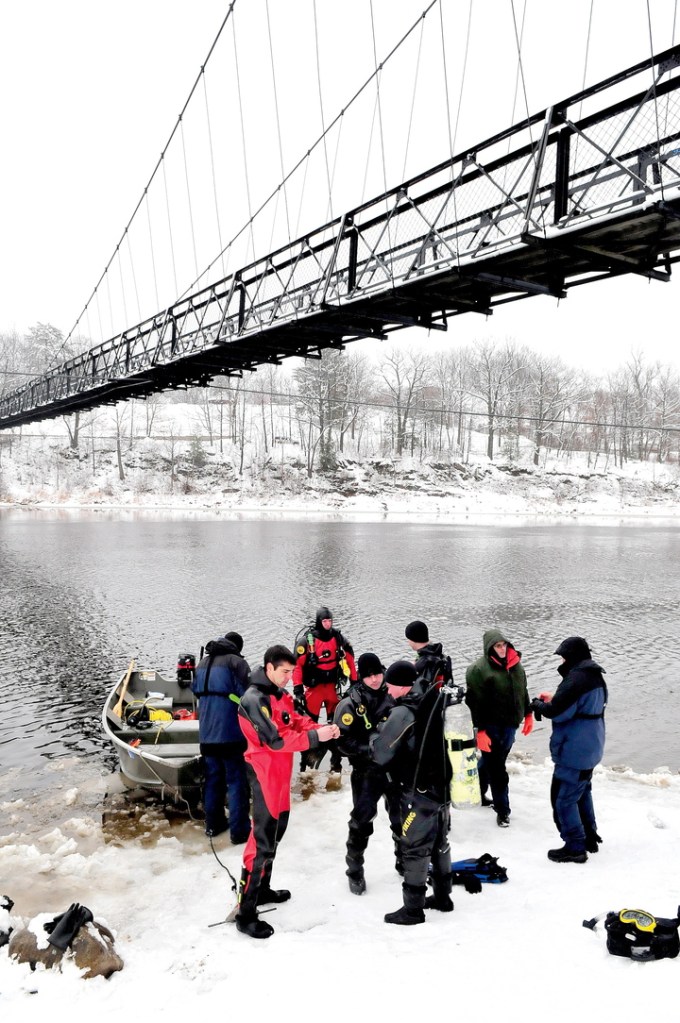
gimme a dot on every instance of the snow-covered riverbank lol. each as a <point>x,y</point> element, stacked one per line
<point>519,944</point>
<point>372,487</point>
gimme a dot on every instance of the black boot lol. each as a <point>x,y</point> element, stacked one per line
<point>247,920</point>
<point>357,881</point>
<point>412,911</point>
<point>268,894</point>
<point>253,926</point>
<point>568,854</point>
<point>354,858</point>
<point>441,895</point>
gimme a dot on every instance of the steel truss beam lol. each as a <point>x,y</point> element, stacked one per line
<point>586,189</point>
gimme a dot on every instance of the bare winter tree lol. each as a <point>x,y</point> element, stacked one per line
<point>494,371</point>
<point>643,376</point>
<point>405,374</point>
<point>549,389</point>
<point>323,388</point>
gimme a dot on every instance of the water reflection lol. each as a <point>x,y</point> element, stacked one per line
<point>81,596</point>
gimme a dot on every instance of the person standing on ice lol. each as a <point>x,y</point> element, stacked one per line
<point>221,679</point>
<point>431,662</point>
<point>325,661</point>
<point>411,745</point>
<point>576,747</point>
<point>358,714</point>
<point>499,703</point>
<point>274,732</point>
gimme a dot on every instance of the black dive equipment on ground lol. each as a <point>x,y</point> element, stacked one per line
<point>637,934</point>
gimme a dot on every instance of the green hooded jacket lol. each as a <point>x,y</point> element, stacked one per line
<point>496,695</point>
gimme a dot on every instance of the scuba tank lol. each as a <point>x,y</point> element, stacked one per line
<point>461,745</point>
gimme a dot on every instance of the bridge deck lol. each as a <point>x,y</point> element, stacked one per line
<point>550,204</point>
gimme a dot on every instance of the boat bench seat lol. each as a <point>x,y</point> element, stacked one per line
<point>171,749</point>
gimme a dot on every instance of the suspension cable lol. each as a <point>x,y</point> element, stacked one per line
<point>153,175</point>
<point>362,88</point>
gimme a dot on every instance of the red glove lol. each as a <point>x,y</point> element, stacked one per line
<point>528,725</point>
<point>483,742</point>
<point>546,697</point>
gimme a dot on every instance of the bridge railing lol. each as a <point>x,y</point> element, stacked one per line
<point>590,157</point>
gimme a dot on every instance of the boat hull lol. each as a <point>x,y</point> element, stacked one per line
<point>161,755</point>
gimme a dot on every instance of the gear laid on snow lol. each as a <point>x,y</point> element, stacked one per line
<point>63,929</point>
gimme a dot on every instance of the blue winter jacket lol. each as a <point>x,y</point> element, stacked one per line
<point>221,679</point>
<point>577,714</point>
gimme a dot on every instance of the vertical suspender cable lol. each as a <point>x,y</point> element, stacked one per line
<point>214,176</point>
<point>378,68</point>
<point>172,245</point>
<point>656,101</point>
<point>468,34</point>
<point>323,126</point>
<point>413,97</point>
<point>134,275</point>
<point>243,140</point>
<point>446,78</point>
<point>583,80</point>
<point>305,158</point>
<point>122,286</point>
<point>278,120</point>
<point>153,254</point>
<point>191,212</point>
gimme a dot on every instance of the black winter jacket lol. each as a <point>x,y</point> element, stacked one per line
<point>411,743</point>
<point>357,716</point>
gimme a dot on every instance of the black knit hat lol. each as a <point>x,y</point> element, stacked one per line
<point>418,632</point>
<point>369,664</point>
<point>236,639</point>
<point>401,673</point>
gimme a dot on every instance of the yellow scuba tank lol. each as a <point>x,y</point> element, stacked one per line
<point>461,746</point>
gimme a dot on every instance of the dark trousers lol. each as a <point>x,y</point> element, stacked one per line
<point>424,839</point>
<point>571,795</point>
<point>226,779</point>
<point>492,770</point>
<point>370,784</point>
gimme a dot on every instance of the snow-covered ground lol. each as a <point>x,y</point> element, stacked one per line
<point>183,470</point>
<point>516,951</point>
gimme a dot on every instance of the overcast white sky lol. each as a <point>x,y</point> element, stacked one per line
<point>91,90</point>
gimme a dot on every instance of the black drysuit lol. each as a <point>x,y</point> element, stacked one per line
<point>410,744</point>
<point>357,716</point>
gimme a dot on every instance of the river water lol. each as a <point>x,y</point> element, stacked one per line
<point>82,593</point>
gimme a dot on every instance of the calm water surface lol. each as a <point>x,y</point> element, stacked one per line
<point>81,595</point>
